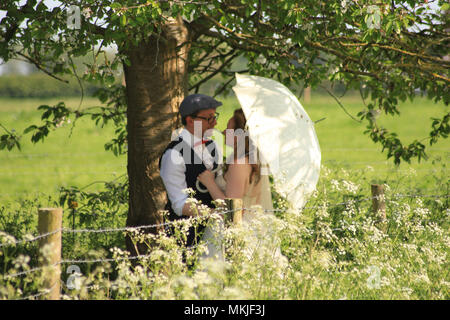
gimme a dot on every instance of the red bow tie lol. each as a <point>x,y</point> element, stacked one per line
<point>200,142</point>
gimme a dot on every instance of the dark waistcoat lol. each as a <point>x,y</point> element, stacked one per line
<point>194,166</point>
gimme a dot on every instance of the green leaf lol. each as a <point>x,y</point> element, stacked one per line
<point>30,128</point>
<point>123,20</point>
<point>398,27</point>
<point>44,106</point>
<point>116,5</point>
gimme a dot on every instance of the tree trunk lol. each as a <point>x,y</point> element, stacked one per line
<point>156,83</point>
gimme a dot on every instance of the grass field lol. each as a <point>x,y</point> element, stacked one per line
<point>75,156</point>
<point>69,156</point>
<point>335,250</point>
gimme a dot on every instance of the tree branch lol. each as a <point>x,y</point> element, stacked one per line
<point>212,74</point>
<point>40,67</point>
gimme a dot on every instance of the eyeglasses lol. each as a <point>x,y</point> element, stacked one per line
<point>210,119</point>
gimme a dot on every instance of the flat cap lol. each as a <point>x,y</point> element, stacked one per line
<point>196,102</point>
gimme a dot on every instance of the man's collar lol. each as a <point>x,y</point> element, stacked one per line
<point>190,139</point>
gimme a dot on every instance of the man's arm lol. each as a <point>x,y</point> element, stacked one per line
<point>188,210</point>
<point>173,175</point>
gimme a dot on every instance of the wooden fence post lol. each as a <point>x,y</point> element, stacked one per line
<point>378,203</point>
<point>50,221</point>
<point>234,205</point>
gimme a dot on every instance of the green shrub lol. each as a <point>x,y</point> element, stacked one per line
<point>331,250</point>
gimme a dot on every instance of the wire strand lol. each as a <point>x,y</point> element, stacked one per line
<point>159,225</point>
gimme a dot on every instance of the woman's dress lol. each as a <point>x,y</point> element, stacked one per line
<point>257,215</point>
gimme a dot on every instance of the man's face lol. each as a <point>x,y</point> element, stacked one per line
<point>206,119</point>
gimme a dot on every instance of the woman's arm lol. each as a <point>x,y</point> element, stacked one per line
<point>237,177</point>
<point>208,180</point>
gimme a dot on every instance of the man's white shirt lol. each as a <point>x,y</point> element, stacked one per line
<point>173,169</point>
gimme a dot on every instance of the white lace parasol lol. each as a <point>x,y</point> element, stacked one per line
<point>284,134</point>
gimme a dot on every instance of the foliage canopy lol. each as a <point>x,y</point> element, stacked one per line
<point>389,50</point>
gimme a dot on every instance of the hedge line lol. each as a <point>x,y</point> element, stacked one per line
<point>38,85</point>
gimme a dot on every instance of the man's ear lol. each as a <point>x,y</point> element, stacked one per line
<point>189,120</point>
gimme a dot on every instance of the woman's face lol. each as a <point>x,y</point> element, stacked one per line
<point>231,124</point>
<point>229,133</point>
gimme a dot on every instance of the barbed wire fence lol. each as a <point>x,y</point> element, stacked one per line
<point>233,206</point>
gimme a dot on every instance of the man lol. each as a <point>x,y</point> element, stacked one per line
<point>187,156</point>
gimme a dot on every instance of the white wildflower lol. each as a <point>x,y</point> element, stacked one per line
<point>188,191</point>
<point>341,252</point>
<point>233,293</point>
<point>350,186</point>
<point>87,12</point>
<point>21,262</point>
<point>163,293</point>
<point>7,238</point>
<point>335,185</point>
<point>434,228</point>
<point>407,290</point>
<point>422,278</point>
<point>192,202</point>
<point>28,237</point>
<point>411,172</point>
<point>219,203</point>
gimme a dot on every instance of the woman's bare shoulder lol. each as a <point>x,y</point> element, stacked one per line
<point>238,169</point>
<point>241,164</point>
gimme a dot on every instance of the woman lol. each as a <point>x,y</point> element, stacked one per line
<point>242,176</point>
<point>242,179</point>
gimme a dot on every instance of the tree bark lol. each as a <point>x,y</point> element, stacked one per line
<point>156,83</point>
